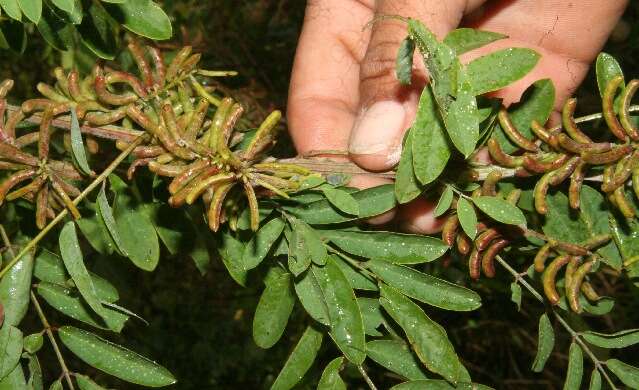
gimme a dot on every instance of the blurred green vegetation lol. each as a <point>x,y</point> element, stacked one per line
<point>200,326</point>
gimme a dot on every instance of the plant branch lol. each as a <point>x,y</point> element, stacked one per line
<point>43,318</point>
<point>368,380</point>
<point>98,180</point>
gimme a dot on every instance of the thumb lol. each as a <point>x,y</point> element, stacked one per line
<point>386,108</point>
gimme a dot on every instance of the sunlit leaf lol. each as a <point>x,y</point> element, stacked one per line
<point>143,17</point>
<point>467,217</point>
<point>466,39</point>
<point>404,62</point>
<point>500,210</point>
<point>500,68</point>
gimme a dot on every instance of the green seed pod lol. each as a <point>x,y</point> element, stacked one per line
<point>596,241</point>
<point>589,291</point>
<point>613,155</point>
<point>569,124</point>
<point>501,158</point>
<point>549,278</point>
<point>575,147</point>
<point>190,171</point>
<point>624,115</point>
<point>563,173</point>
<point>204,182</point>
<point>574,286</point>
<point>543,164</point>
<point>609,109</point>
<point>623,204</point>
<point>540,192</point>
<point>490,184</point>
<point>488,258</point>
<point>513,197</point>
<point>215,209</point>
<point>50,93</point>
<point>68,203</point>
<point>576,180</point>
<point>264,136</point>
<point>253,205</point>
<point>542,256</point>
<point>514,134</point>
<point>176,64</point>
<point>139,56</point>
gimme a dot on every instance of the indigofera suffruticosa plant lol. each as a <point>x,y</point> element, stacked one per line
<point>559,204</point>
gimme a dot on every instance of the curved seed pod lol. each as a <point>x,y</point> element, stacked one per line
<point>542,165</point>
<point>485,238</point>
<point>139,56</point>
<point>474,264</point>
<point>500,157</point>
<point>203,92</point>
<point>214,132</point>
<point>569,124</point>
<point>61,80</point>
<point>274,167</point>
<point>111,98</point>
<point>513,197</point>
<point>126,78</point>
<point>623,204</point>
<point>572,266</point>
<point>32,187</point>
<point>488,259</point>
<point>490,183</point>
<point>608,104</point>
<point>9,166</point>
<point>195,125</point>
<point>233,116</point>
<point>50,93</point>
<point>449,230</point>
<point>13,180</point>
<point>589,291</point>
<point>635,181</point>
<point>576,180</point>
<point>463,244</point>
<point>540,192</point>
<point>177,61</point>
<point>168,115</point>
<point>215,209</point>
<point>69,188</point>
<point>269,186</point>
<point>140,162</point>
<point>540,131</point>
<point>549,278</point>
<point>5,87</point>
<point>31,105</point>
<point>542,256</point>
<point>190,63</point>
<point>578,148</point>
<point>158,63</point>
<point>613,155</point>
<point>45,133</point>
<point>65,170</point>
<point>42,205</point>
<point>105,118</point>
<point>14,119</point>
<point>574,286</point>
<point>11,153</point>
<point>253,205</point>
<point>185,99</point>
<point>68,203</point>
<point>86,86</point>
<point>565,171</point>
<point>596,241</point>
<point>624,115</point>
<point>514,134</point>
<point>205,182</point>
<point>165,170</point>
<point>571,249</point>
<point>27,140</point>
<point>264,135</point>
<point>190,171</point>
<point>276,181</point>
<point>73,82</point>
<point>623,170</point>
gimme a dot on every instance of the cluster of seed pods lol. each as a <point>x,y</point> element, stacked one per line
<point>190,137</point>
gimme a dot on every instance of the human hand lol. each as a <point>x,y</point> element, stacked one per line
<point>344,94</point>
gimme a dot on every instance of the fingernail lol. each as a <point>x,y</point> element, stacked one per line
<point>378,128</point>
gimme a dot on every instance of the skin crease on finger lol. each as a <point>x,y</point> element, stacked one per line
<point>357,70</point>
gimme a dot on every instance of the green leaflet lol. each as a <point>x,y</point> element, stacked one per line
<point>330,379</point>
<point>395,356</point>
<point>500,68</point>
<point>68,303</point>
<point>575,367</point>
<point>310,295</point>
<point>57,385</point>
<point>606,68</point>
<point>355,278</point>
<point>55,31</point>
<point>393,247</point>
<point>515,294</point>
<point>444,202</point>
<point>433,384</point>
<point>407,187</point>
<point>15,379</point>
<point>545,343</point>
<point>95,231</point>
<point>425,288</point>
<point>621,339</point>
<point>372,201</point>
<point>97,32</point>
<point>231,251</point>
<point>595,380</point>
<point>462,118</point>
<point>431,150</point>
<point>272,312</point>
<point>300,360</point>
<point>536,103</point>
<point>35,374</point>
<point>261,243</point>
<point>65,5</point>
<point>138,235</point>
<point>10,349</point>
<point>106,215</point>
<point>500,210</point>
<point>32,9</point>
<point>114,359</point>
<point>14,290</point>
<point>371,315</point>
<point>428,339</point>
<point>143,17</point>
<point>86,383</point>
<point>466,39</point>
<point>33,342</point>
<point>467,217</point>
<point>341,199</point>
<point>305,245</point>
<point>404,62</point>
<point>74,263</point>
<point>12,8</point>
<point>347,326</point>
<point>77,146</point>
<point>626,373</point>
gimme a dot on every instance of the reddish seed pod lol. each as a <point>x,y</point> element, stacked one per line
<point>126,78</point>
<point>10,182</point>
<point>549,278</point>
<point>571,249</point>
<point>596,241</point>
<point>514,134</point>
<point>485,238</point>
<point>42,205</point>
<point>501,158</point>
<point>569,124</point>
<point>573,287</point>
<point>474,264</point>
<point>624,115</point>
<point>195,125</point>
<point>139,56</point>
<point>449,230</point>
<point>111,98</point>
<point>10,127</point>
<point>623,170</point>
<point>490,184</point>
<point>563,173</point>
<point>177,61</point>
<point>608,104</point>
<point>575,147</point>
<point>589,291</point>
<point>540,192</point>
<point>576,180</point>
<point>215,209</point>
<point>463,244</point>
<point>205,181</point>
<point>187,175</point>
<point>541,164</point>
<point>11,153</point>
<point>30,188</point>
<point>140,162</point>
<point>611,156</point>
<point>158,63</point>
<point>253,205</point>
<point>488,259</point>
<point>73,82</point>
<point>542,256</point>
<point>540,131</point>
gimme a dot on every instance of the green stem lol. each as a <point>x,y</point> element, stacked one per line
<point>368,380</point>
<point>98,180</point>
<point>598,364</point>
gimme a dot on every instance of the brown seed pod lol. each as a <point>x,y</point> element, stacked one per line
<point>623,170</point>
<point>623,204</point>
<point>573,287</point>
<point>488,258</point>
<point>139,56</point>
<point>158,63</point>
<point>73,83</point>
<point>215,209</point>
<point>264,136</point>
<point>449,230</point>
<point>611,156</point>
<point>253,205</point>
<point>195,125</point>
<point>214,132</point>
<point>569,124</point>
<point>635,181</point>
<point>111,98</point>
<point>5,87</point>
<point>205,182</point>
<point>463,244</point>
<point>474,264</point>
<point>576,180</point>
<point>624,115</point>
<point>540,192</point>
<point>45,133</point>
<point>500,157</point>
<point>571,267</point>
<point>165,170</point>
<point>542,256</point>
<point>11,153</point>
<point>190,171</point>
<point>514,134</point>
<point>140,162</point>
<point>176,63</point>
<point>13,120</point>
<point>563,173</point>
<point>571,249</point>
<point>485,238</point>
<point>42,206</point>
<point>575,147</point>
<point>549,278</point>
<point>589,291</point>
<point>10,182</point>
<point>543,164</point>
<point>490,183</point>
<point>541,132</point>
<point>68,203</point>
<point>608,104</point>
